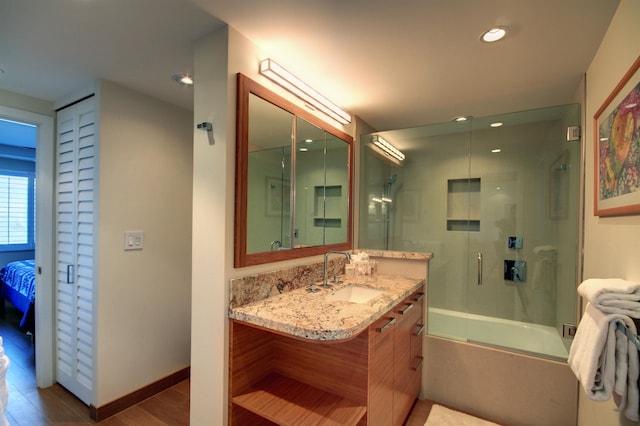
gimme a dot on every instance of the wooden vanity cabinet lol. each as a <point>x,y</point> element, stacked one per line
<point>407,356</point>
<point>395,369</point>
<point>372,379</point>
<point>381,370</point>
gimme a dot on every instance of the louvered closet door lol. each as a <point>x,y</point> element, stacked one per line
<point>74,251</point>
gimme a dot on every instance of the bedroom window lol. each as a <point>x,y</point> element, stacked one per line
<point>17,211</point>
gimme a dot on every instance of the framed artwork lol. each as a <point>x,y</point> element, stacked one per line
<point>617,148</point>
<point>278,191</point>
<point>558,195</point>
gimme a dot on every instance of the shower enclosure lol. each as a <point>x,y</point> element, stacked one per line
<point>495,199</point>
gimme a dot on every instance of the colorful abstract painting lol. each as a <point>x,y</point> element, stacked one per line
<point>619,138</point>
<point>617,148</point>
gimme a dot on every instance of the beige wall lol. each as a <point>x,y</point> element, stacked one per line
<point>212,217</point>
<point>611,245</point>
<point>26,103</point>
<point>143,297</point>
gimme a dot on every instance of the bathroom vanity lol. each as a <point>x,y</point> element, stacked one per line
<point>349,355</point>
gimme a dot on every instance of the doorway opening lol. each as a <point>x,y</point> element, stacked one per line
<point>35,148</point>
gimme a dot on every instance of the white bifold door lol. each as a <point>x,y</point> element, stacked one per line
<point>75,213</point>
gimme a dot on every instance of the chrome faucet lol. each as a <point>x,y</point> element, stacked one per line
<point>325,284</point>
<point>275,242</point>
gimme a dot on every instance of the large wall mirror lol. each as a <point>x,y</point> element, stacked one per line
<point>293,180</point>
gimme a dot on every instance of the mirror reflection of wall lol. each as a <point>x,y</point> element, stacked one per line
<point>321,186</point>
<point>268,205</point>
<point>269,177</point>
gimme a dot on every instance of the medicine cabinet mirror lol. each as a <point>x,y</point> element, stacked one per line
<point>293,180</point>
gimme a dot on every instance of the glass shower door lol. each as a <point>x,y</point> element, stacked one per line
<point>496,200</point>
<point>526,240</point>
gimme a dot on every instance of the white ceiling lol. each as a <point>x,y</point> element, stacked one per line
<point>395,64</point>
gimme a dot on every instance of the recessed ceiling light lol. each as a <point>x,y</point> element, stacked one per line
<point>183,79</point>
<point>493,34</point>
<point>462,118</point>
<point>496,124</point>
<point>495,151</point>
<point>304,149</point>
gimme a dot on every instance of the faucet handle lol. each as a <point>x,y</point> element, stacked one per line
<point>336,279</point>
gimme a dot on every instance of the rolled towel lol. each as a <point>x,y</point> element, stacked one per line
<point>592,357</point>
<point>612,295</point>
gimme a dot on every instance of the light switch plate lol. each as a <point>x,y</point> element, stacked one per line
<point>133,240</point>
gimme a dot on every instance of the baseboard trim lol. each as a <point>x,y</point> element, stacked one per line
<point>100,413</point>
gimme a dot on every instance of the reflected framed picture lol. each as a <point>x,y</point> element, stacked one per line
<point>278,191</point>
<point>617,148</point>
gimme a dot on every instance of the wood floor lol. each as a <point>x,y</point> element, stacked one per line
<point>55,406</point>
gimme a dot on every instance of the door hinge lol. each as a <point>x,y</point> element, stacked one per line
<point>573,133</point>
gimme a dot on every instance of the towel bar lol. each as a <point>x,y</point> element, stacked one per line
<point>633,337</point>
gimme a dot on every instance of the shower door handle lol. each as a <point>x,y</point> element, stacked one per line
<point>479,268</point>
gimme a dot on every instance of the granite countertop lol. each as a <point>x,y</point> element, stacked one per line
<point>315,317</point>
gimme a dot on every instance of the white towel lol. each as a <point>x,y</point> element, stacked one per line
<point>603,361</point>
<point>4,390</point>
<point>612,295</point>
<point>625,393</point>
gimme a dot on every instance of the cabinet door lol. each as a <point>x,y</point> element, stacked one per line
<point>381,366</point>
<point>417,335</point>
<point>408,314</point>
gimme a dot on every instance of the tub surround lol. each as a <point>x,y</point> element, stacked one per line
<point>312,316</point>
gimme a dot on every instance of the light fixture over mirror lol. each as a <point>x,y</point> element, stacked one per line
<point>289,204</point>
<point>270,69</point>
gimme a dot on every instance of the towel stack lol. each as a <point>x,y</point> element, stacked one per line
<point>603,358</point>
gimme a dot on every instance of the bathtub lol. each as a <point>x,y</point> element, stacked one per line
<point>519,336</point>
<point>515,387</point>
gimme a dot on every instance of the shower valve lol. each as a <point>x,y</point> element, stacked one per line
<point>515,270</point>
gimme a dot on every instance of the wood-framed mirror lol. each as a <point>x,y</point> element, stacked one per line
<point>293,180</point>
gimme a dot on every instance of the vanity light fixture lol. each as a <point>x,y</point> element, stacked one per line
<point>183,79</point>
<point>284,78</point>
<point>387,148</point>
<point>493,34</point>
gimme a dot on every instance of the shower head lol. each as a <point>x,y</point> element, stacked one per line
<point>393,179</point>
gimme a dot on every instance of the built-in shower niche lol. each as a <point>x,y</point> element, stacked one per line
<point>463,204</point>
<point>327,205</point>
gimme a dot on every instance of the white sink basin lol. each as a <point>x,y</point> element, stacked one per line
<point>355,294</point>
